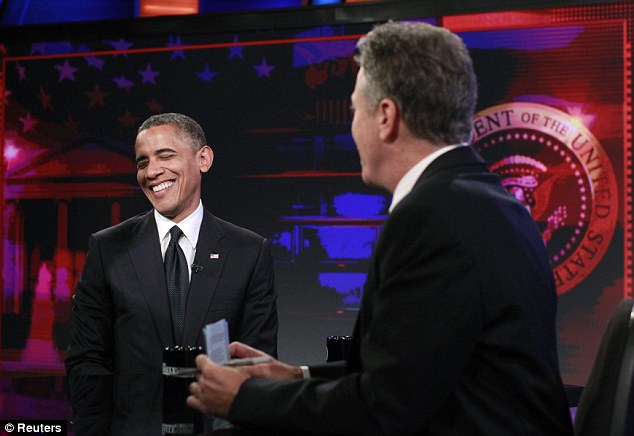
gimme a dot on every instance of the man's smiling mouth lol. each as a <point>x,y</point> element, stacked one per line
<point>162,186</point>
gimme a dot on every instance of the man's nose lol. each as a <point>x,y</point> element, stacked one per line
<point>154,169</point>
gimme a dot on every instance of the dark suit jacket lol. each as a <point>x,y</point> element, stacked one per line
<point>456,332</point>
<point>121,319</point>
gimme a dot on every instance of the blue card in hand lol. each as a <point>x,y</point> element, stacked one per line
<point>217,341</point>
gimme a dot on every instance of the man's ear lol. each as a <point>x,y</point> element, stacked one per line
<point>205,158</point>
<point>389,118</point>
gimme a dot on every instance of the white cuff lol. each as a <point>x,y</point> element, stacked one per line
<point>305,371</point>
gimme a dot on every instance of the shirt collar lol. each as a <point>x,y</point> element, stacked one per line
<point>190,225</point>
<point>407,182</point>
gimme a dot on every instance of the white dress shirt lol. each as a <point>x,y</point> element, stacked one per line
<point>190,227</point>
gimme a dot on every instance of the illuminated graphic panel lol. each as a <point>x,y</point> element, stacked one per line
<point>554,121</point>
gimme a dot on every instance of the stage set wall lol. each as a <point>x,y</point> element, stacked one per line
<point>272,92</point>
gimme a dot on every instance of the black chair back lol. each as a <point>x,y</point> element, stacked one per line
<point>606,406</point>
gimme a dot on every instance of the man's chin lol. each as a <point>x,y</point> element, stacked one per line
<point>169,214</point>
<point>164,211</point>
<point>365,178</point>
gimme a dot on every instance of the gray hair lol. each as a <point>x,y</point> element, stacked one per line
<point>428,72</point>
<point>189,130</point>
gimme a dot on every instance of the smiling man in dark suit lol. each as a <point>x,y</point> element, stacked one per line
<point>122,315</point>
<point>456,330</point>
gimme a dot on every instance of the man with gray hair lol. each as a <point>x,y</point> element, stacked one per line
<point>456,330</point>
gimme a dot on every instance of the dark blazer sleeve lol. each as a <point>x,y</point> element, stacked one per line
<point>89,364</point>
<point>259,324</point>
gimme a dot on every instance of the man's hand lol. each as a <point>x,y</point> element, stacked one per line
<point>271,369</point>
<point>215,387</point>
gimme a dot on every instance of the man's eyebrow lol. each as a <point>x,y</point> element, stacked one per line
<point>156,152</point>
<point>164,150</point>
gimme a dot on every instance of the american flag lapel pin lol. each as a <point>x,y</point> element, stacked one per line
<point>214,256</point>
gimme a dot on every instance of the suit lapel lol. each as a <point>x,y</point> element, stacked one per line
<point>145,251</point>
<point>211,256</point>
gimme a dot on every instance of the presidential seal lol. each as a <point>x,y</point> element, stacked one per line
<point>554,165</point>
